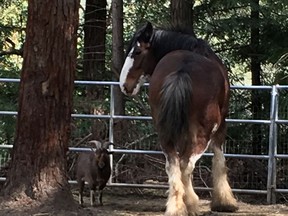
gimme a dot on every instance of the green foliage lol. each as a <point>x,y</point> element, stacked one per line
<point>226,25</point>
<point>12,24</point>
<point>138,12</point>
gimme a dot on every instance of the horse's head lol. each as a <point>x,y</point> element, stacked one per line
<point>139,63</point>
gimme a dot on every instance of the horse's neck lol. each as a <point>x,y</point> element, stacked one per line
<point>164,42</point>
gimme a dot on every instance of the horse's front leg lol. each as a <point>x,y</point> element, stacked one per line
<point>175,205</point>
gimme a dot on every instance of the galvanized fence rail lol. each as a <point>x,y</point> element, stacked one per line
<point>272,155</point>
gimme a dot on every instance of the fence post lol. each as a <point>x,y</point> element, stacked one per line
<point>111,131</point>
<point>271,178</point>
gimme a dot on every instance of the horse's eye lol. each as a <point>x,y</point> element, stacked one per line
<point>137,52</point>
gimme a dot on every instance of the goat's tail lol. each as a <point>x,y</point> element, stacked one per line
<point>175,108</point>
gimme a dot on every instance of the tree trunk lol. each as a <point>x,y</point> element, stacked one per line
<point>255,43</point>
<point>256,75</point>
<point>38,166</point>
<point>182,13</point>
<point>94,45</point>
<point>117,51</point>
<point>120,125</point>
<point>94,61</point>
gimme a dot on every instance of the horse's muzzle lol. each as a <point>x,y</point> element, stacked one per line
<point>128,89</point>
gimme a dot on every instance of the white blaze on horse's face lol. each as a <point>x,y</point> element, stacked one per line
<point>125,70</point>
<point>128,64</point>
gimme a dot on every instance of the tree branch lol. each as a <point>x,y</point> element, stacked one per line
<point>8,27</point>
<point>12,52</point>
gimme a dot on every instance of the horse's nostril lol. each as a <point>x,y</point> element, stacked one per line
<point>127,89</point>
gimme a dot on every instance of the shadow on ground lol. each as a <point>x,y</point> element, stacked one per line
<point>133,202</point>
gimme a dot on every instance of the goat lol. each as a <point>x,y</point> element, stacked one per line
<point>94,168</point>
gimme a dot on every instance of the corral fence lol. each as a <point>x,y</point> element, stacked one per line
<point>268,170</point>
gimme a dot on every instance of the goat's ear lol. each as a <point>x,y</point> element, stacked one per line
<point>106,144</point>
<point>96,143</point>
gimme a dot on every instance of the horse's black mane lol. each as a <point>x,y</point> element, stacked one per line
<point>178,28</point>
<point>171,38</point>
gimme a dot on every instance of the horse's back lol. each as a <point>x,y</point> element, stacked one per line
<point>207,79</point>
<point>187,90</point>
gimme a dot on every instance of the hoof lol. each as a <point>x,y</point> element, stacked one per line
<point>177,214</point>
<point>182,213</point>
<point>193,214</point>
<point>224,208</point>
<point>97,205</point>
<point>192,210</point>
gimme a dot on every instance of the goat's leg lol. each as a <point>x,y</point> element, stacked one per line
<point>99,191</point>
<point>100,197</point>
<point>92,197</point>
<point>80,196</point>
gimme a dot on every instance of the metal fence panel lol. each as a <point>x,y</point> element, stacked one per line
<point>272,125</point>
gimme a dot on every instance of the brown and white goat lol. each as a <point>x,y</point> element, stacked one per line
<point>94,168</point>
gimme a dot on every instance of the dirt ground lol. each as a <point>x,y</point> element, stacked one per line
<point>128,202</point>
<point>148,203</point>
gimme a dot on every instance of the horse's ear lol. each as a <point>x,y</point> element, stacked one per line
<point>145,33</point>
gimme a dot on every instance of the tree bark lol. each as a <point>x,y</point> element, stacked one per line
<point>94,60</point>
<point>38,166</point>
<point>94,45</point>
<point>255,43</point>
<point>182,13</point>
<point>120,125</point>
<point>117,51</point>
<point>256,75</point>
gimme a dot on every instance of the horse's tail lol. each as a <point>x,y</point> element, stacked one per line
<point>175,108</point>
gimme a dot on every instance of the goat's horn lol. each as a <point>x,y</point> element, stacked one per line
<point>96,143</point>
<point>106,144</point>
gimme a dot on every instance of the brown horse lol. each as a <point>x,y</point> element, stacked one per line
<point>188,95</point>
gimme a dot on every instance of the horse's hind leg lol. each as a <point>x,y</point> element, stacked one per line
<point>193,152</point>
<point>222,198</point>
<point>191,199</point>
<point>175,205</point>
